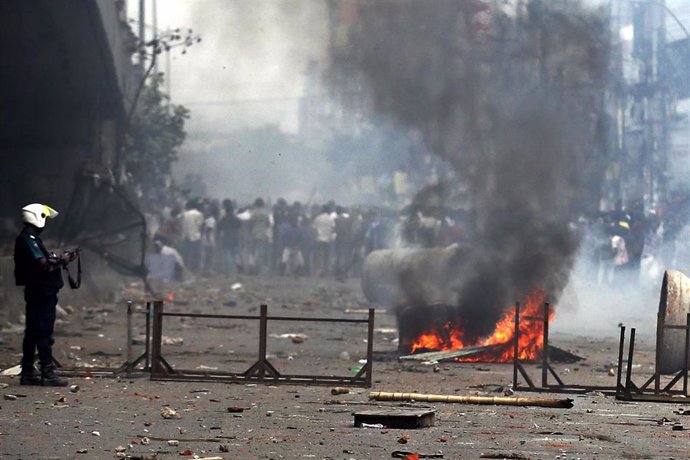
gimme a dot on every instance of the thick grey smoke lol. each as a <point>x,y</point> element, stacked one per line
<point>513,100</point>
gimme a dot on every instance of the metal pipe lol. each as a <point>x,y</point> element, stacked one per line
<point>628,371</point>
<point>156,337</point>
<point>621,346</point>
<point>687,355</point>
<point>129,337</point>
<point>516,336</point>
<point>278,318</point>
<point>147,345</point>
<point>370,348</point>
<point>660,320</point>
<point>263,329</point>
<point>545,346</point>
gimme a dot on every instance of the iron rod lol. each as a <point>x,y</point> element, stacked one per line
<point>278,318</point>
<point>660,319</point>
<point>545,348</point>
<point>516,336</point>
<point>263,329</point>
<point>621,346</point>
<point>628,371</point>
<point>147,345</point>
<point>687,354</point>
<point>129,337</point>
<point>370,348</point>
<point>157,335</point>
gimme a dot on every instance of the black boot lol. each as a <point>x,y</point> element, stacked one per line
<point>29,376</point>
<point>50,379</point>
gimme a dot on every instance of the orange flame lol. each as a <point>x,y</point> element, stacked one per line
<point>171,296</point>
<point>450,336</point>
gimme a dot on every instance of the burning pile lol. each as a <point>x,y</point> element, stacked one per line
<point>497,347</point>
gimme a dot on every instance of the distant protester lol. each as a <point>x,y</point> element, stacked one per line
<point>165,263</point>
<point>192,223</point>
<point>260,234</point>
<point>229,239</point>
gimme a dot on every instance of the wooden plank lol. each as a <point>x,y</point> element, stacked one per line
<point>449,354</point>
<point>408,419</point>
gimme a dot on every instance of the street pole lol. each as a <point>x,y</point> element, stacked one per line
<point>142,33</point>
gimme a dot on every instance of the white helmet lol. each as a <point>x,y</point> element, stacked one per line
<point>36,214</point>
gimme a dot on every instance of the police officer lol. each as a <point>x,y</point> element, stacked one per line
<point>40,272</point>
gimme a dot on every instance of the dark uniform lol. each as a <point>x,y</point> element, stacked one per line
<point>41,282</point>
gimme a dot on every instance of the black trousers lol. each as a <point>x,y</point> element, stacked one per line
<point>40,323</point>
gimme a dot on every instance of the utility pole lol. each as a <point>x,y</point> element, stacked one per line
<point>142,34</point>
<point>155,30</point>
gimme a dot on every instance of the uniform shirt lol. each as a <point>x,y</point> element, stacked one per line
<point>28,250</point>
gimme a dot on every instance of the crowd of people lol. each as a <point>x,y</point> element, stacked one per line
<point>210,237</point>
<point>631,246</point>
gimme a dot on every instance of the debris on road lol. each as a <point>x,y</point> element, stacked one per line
<point>412,455</point>
<point>169,413</point>
<point>340,391</point>
<point>490,400</point>
<point>396,418</point>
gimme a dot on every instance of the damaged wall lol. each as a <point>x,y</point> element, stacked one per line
<point>66,68</point>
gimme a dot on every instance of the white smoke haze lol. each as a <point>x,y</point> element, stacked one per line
<point>590,306</point>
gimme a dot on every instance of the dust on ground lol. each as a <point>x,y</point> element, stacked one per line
<point>122,417</point>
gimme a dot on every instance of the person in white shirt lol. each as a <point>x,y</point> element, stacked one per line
<point>208,241</point>
<point>324,224</point>
<point>192,223</point>
<point>165,264</point>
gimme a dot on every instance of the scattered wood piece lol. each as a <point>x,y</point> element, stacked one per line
<point>512,456</point>
<point>490,400</point>
<point>448,354</point>
<point>396,418</point>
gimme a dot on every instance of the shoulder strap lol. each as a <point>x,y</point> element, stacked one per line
<point>74,284</point>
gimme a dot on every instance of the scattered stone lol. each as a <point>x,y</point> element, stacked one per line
<point>74,388</point>
<point>340,391</point>
<point>120,449</point>
<point>9,397</point>
<point>403,439</point>
<point>298,338</point>
<point>173,442</point>
<point>223,448</point>
<point>235,409</point>
<point>165,340</point>
<point>96,433</point>
<point>82,451</point>
<point>145,441</point>
<point>169,413</point>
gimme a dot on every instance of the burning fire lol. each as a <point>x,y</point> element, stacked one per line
<point>451,336</point>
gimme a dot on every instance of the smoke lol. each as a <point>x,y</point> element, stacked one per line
<point>512,98</point>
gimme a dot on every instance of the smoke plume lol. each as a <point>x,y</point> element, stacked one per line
<point>512,98</point>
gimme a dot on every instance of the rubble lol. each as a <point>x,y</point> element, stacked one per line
<point>169,413</point>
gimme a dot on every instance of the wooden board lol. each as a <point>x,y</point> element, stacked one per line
<point>408,419</point>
